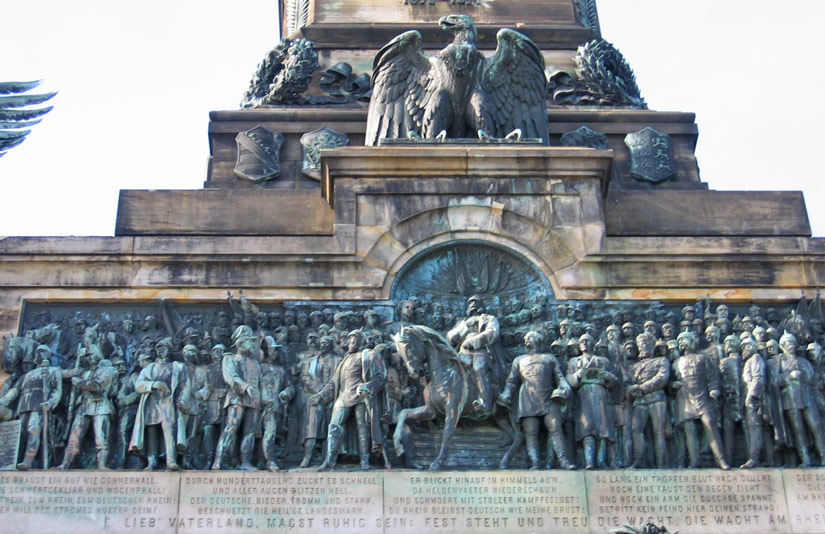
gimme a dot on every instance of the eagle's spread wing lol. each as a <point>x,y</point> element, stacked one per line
<point>402,87</point>
<point>15,115</point>
<point>514,80</point>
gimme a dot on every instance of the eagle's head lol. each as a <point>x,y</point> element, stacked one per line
<point>462,26</point>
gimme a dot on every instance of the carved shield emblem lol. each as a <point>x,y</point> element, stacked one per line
<point>651,155</point>
<point>259,154</point>
<point>313,142</point>
<point>586,137</point>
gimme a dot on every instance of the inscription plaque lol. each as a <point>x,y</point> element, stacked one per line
<point>280,502</point>
<point>9,444</point>
<point>806,500</point>
<point>485,502</point>
<point>126,502</point>
<point>735,502</point>
<point>762,501</point>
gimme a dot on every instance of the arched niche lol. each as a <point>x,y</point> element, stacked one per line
<point>453,271</point>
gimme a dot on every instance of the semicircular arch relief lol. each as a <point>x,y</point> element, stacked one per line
<point>454,271</point>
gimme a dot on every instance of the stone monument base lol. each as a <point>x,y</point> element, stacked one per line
<point>413,502</point>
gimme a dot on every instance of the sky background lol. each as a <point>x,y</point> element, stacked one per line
<point>138,79</point>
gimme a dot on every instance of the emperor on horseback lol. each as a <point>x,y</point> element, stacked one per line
<point>451,377</point>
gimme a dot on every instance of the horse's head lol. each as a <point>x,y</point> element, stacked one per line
<point>410,350</point>
<point>16,349</point>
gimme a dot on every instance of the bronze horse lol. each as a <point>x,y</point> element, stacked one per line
<point>18,349</point>
<point>449,385</point>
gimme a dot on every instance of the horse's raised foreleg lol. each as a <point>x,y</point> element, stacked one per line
<point>452,413</point>
<point>422,413</point>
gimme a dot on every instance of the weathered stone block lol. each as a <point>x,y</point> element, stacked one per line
<point>223,212</point>
<point>699,213</point>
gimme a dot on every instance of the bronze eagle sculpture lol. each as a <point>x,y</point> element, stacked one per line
<point>459,92</point>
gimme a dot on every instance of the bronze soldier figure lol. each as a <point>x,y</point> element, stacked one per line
<point>592,378</point>
<point>647,379</point>
<point>37,392</point>
<point>625,353</point>
<point>312,342</point>
<point>191,407</point>
<point>696,381</point>
<point>213,407</point>
<point>541,386</point>
<point>778,442</point>
<point>315,373</point>
<point>276,392</point>
<point>242,374</point>
<point>96,387</point>
<point>159,385</point>
<point>676,441</point>
<point>733,402</point>
<point>715,349</point>
<point>127,406</point>
<point>356,384</point>
<point>815,356</point>
<point>796,379</point>
<point>754,380</point>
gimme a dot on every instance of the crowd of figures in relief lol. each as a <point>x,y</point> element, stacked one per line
<point>580,384</point>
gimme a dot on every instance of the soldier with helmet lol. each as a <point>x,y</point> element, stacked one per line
<point>242,375</point>
<point>37,393</point>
